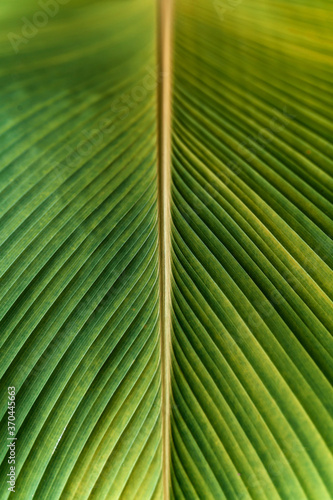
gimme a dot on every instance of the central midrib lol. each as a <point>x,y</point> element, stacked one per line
<point>164,188</point>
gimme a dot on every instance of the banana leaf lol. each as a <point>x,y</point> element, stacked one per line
<point>166,257</point>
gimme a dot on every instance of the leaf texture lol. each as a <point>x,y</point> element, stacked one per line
<point>252,251</point>
<point>251,360</point>
<point>79,256</point>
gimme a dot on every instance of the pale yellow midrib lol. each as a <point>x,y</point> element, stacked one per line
<point>164,195</point>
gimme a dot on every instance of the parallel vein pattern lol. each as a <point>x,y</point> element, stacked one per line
<point>252,251</point>
<point>78,257</point>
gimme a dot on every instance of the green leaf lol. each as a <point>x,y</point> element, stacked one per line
<point>86,295</point>
<point>79,257</point>
<point>252,251</point>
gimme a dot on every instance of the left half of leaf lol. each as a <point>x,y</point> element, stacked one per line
<point>79,260</point>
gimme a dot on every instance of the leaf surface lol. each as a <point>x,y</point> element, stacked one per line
<point>252,251</point>
<point>79,256</point>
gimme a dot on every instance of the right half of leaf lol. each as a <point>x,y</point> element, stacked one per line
<point>252,371</point>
